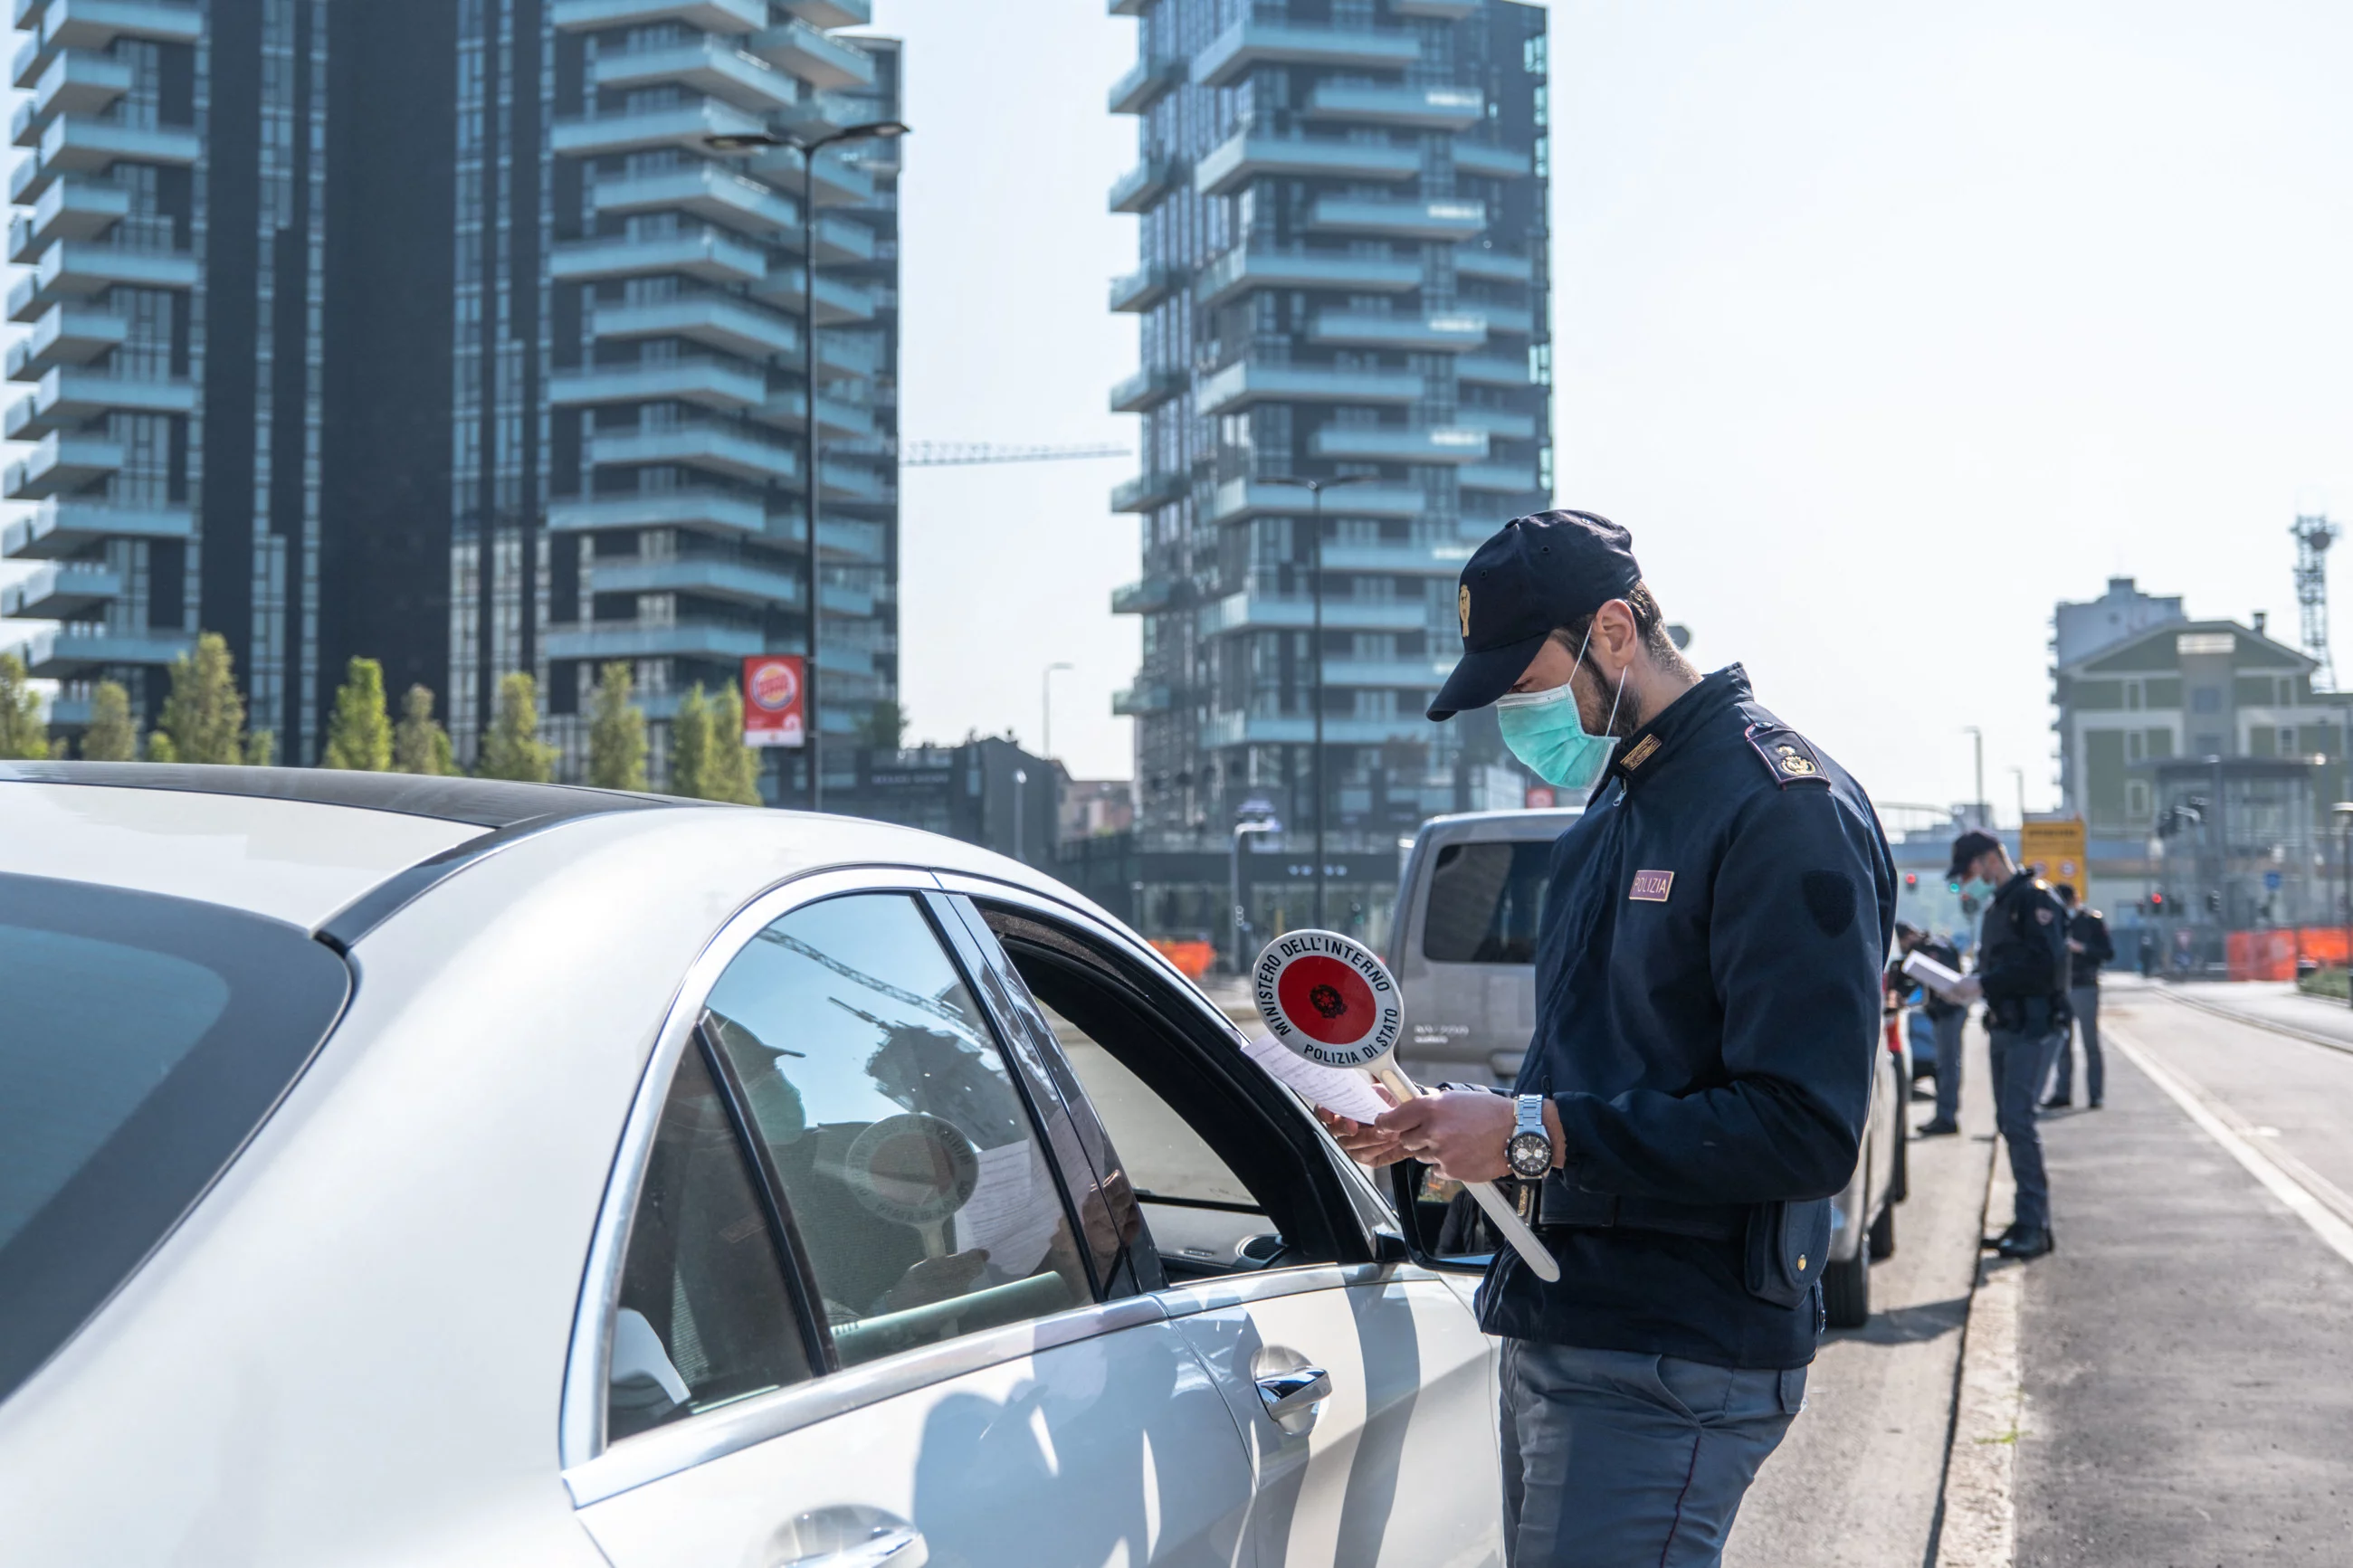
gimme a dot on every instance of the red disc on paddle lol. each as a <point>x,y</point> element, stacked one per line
<point>1326,1000</point>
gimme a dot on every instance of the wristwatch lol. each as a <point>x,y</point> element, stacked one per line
<point>1530,1150</point>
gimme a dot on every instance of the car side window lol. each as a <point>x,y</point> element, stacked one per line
<point>704,1318</point>
<point>920,1201</point>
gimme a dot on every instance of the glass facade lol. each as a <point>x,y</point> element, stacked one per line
<point>1344,274</point>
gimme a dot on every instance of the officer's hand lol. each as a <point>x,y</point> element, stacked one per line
<point>1364,1144</point>
<point>1462,1134</point>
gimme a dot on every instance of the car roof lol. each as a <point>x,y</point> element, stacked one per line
<point>1524,822</point>
<point>483,802</point>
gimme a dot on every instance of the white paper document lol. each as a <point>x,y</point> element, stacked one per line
<point>1944,982</point>
<point>1012,1211</point>
<point>1344,1089</point>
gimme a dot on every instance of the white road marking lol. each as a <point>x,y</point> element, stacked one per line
<point>2214,1120</point>
<point>1979,1527</point>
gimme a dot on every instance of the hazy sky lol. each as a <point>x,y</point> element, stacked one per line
<point>1882,327</point>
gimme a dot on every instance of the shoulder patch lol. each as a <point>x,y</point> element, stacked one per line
<point>1787,755</point>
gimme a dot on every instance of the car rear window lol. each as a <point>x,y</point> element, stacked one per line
<point>142,1038</point>
<point>1485,900</point>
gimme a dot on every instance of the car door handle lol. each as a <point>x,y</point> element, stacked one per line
<point>1290,1397</point>
<point>850,1538</point>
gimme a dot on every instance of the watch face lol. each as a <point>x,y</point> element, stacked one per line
<point>1529,1154</point>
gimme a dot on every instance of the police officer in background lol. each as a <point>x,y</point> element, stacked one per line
<point>2022,975</point>
<point>1944,1019</point>
<point>2088,947</point>
<point>1707,1028</point>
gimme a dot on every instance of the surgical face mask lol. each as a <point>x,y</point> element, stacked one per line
<point>1978,888</point>
<point>1545,731</point>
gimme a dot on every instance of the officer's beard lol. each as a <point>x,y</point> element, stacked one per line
<point>1603,706</point>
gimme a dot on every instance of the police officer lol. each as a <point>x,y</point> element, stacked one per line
<point>1944,1019</point>
<point>2088,947</point>
<point>1707,1014</point>
<point>2022,974</point>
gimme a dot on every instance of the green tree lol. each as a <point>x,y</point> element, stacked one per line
<point>689,746</point>
<point>22,733</point>
<point>886,725</point>
<point>512,749</point>
<point>419,743</point>
<point>359,735</point>
<point>112,735</point>
<point>617,732</point>
<point>204,718</point>
<point>730,772</point>
<point>160,748</point>
<point>261,749</point>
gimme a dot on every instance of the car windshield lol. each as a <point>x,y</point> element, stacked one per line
<point>144,1039</point>
<point>1485,900</point>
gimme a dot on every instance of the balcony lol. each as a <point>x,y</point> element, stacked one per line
<point>1245,383</point>
<point>601,640</point>
<point>1407,108</point>
<point>839,240</point>
<point>706,65</point>
<point>1500,424</point>
<point>67,526</point>
<point>1491,162</point>
<point>830,13</point>
<point>1512,479</point>
<point>1147,390</point>
<point>836,420</point>
<point>1398,560</point>
<point>1401,218</point>
<point>841,181</point>
<point>1409,674</point>
<point>61,463</point>
<point>1436,10</point>
<point>64,334</point>
<point>77,270</point>
<point>706,383</point>
<point>732,16</point>
<point>1145,287</point>
<point>1148,595</point>
<point>74,83</point>
<point>1239,160</point>
<point>1145,492</point>
<point>685,126</point>
<point>717,320</point>
<point>1140,699</point>
<point>71,653</point>
<point>858,354</point>
<point>1516,319</point>
<point>731,450</point>
<point>1238,270</point>
<point>1136,190</point>
<point>1451,332</point>
<point>840,481</point>
<point>702,512</point>
<point>711,256</point>
<point>838,299</point>
<point>1266,730</point>
<point>77,144</point>
<point>1146,85</point>
<point>1239,498</point>
<point>1477,261</point>
<point>1253,612</point>
<point>61,591</point>
<point>1232,53</point>
<point>728,578</point>
<point>1399,443</point>
<point>94,24</point>
<point>705,190</point>
<point>811,54</point>
<point>68,398</point>
<point>1492,370</point>
<point>70,209</point>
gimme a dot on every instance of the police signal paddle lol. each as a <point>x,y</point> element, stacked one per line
<point>1330,1000</point>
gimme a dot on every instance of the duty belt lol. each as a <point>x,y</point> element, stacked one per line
<point>1565,1207</point>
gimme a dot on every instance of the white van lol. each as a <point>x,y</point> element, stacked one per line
<point>1463,946</point>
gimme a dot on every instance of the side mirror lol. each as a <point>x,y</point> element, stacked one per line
<point>1444,1229</point>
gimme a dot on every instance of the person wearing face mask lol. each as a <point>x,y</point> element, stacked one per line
<point>1707,985</point>
<point>2022,974</point>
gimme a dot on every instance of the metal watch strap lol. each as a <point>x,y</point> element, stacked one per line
<point>1530,1115</point>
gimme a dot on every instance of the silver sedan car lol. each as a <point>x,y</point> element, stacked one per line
<point>400,1170</point>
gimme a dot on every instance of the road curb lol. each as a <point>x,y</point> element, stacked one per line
<point>1977,1524</point>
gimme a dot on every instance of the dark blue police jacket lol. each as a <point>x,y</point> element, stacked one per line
<point>1708,1021</point>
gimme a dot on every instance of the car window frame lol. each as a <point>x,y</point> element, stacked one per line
<point>594,1466</point>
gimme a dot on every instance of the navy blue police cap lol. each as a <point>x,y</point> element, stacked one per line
<point>1534,573</point>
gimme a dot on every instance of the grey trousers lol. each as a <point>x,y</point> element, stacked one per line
<point>2084,1000</point>
<point>1612,1458</point>
<point>1948,1064</point>
<point>2021,1062</point>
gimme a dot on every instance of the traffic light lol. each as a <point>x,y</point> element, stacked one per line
<point>2155,905</point>
<point>1911,879</point>
<point>2213,902</point>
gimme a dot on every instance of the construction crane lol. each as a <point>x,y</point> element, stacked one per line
<point>2314,534</point>
<point>958,454</point>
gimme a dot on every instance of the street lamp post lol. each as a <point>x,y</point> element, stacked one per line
<point>1315,488</point>
<point>881,130</point>
<point>1234,874</point>
<point>1979,800</point>
<point>1045,706</point>
<point>2343,811</point>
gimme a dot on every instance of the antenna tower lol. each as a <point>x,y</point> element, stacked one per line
<point>2314,535</point>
